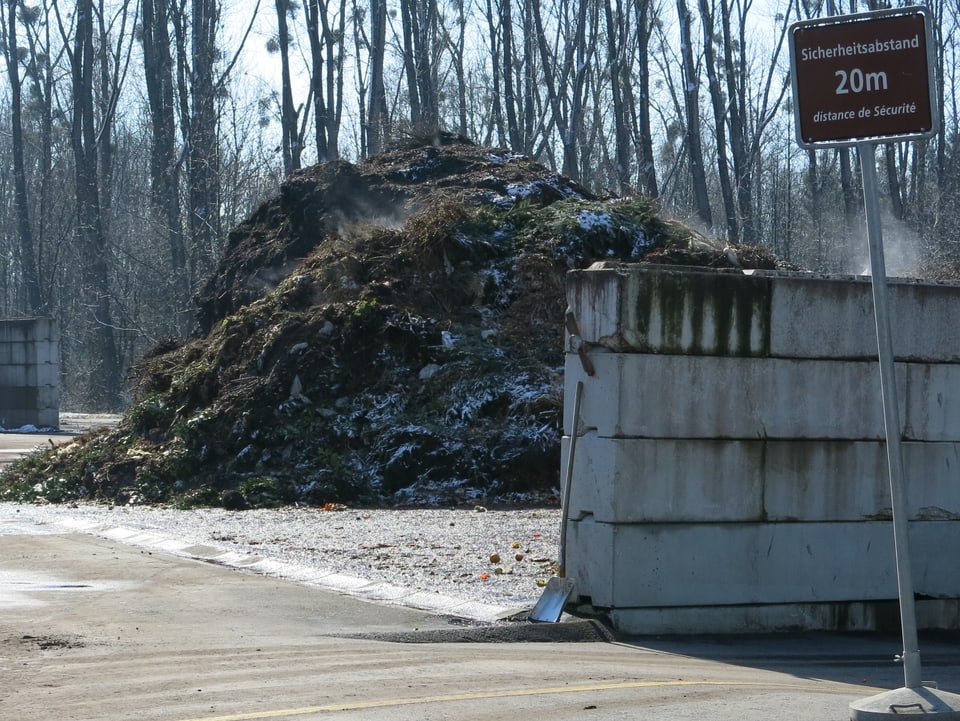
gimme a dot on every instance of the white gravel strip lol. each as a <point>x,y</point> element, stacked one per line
<point>474,564</point>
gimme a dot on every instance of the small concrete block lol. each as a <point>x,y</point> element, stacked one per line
<point>18,398</point>
<point>14,354</point>
<point>48,397</point>
<point>645,309</point>
<point>12,376</point>
<point>16,331</point>
<point>12,418</point>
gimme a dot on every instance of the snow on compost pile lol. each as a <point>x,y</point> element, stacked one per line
<point>388,332</point>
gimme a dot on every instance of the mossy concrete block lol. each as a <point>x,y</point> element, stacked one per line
<point>653,309</point>
<point>638,309</point>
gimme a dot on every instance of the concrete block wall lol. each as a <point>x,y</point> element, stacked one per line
<point>730,471</point>
<point>29,373</point>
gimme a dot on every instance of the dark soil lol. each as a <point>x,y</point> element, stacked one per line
<point>382,333</point>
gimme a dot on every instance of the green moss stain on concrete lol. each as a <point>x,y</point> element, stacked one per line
<point>701,313</point>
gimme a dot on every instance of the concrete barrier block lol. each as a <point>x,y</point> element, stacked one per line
<point>655,396</point>
<point>832,317</point>
<point>14,354</point>
<point>658,396</point>
<point>843,481</point>
<point>647,309</point>
<point>12,376</point>
<point>619,480</point>
<point>11,418</point>
<point>665,481</point>
<point>639,309</point>
<point>881,616</point>
<point>822,317</point>
<point>19,397</point>
<point>48,417</point>
<point>48,397</point>
<point>17,331</point>
<point>932,407</point>
<point>47,374</point>
<point>665,565</point>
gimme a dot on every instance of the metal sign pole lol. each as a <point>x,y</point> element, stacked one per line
<point>891,417</point>
<point>859,80</point>
<point>913,699</point>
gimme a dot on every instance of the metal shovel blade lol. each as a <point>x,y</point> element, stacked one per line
<point>551,604</point>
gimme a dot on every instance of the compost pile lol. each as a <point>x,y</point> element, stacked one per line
<point>381,333</point>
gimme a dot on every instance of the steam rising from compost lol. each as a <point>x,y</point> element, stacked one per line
<point>901,249</point>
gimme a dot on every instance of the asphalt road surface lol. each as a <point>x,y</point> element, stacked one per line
<point>95,630</point>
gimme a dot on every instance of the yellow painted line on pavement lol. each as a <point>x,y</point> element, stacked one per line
<point>362,705</point>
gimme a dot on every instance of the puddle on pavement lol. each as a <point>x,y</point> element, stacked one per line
<point>20,589</point>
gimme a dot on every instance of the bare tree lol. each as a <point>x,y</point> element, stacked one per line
<point>26,253</point>
<point>165,172</point>
<point>564,72</point>
<point>640,107</point>
<point>103,382</point>
<point>456,45</point>
<point>200,130</point>
<point>291,140</point>
<point>326,76</point>
<point>616,65</point>
<point>721,109</point>
<point>691,96</point>
<point>376,118</point>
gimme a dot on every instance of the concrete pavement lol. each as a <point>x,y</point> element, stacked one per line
<point>93,629</point>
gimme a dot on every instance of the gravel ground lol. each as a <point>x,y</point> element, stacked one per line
<point>499,559</point>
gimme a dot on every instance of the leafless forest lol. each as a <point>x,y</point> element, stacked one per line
<point>135,134</point>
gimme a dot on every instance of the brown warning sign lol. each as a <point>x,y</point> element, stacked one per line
<point>863,76</point>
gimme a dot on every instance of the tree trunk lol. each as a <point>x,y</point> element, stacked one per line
<point>735,74</point>
<point>103,381</point>
<point>641,109</point>
<point>164,165</point>
<point>691,97</point>
<point>203,159</point>
<point>893,181</point>
<point>497,61</point>
<point>289,126</point>
<point>312,11</point>
<point>41,74</point>
<point>720,111</point>
<point>852,212</point>
<point>25,251</point>
<point>621,133</point>
<point>377,105</point>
